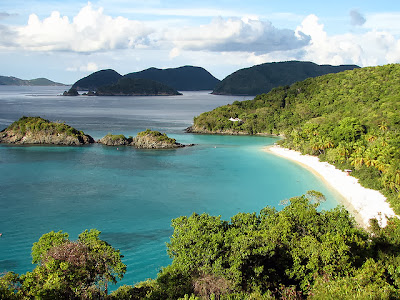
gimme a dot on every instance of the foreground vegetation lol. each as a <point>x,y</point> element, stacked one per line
<point>297,253</point>
<point>349,119</point>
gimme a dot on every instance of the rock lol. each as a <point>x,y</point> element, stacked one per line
<point>154,140</point>
<point>115,140</point>
<point>71,92</point>
<point>148,139</point>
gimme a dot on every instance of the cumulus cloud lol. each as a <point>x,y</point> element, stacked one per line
<point>89,31</point>
<point>357,19</point>
<point>234,34</point>
<point>370,48</point>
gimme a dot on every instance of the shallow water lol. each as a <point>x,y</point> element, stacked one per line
<point>131,195</point>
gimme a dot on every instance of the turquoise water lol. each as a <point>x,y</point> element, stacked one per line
<point>132,195</point>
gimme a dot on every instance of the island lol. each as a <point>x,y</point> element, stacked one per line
<point>136,87</point>
<point>10,80</point>
<point>36,130</point>
<point>263,78</point>
<point>129,87</point>
<point>186,78</point>
<point>148,139</point>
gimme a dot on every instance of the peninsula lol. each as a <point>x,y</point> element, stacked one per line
<point>348,119</point>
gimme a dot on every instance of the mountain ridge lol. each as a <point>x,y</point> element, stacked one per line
<point>260,79</point>
<point>10,80</point>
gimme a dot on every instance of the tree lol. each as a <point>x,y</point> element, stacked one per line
<point>70,269</point>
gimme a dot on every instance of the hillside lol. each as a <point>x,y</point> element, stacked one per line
<point>93,81</point>
<point>8,80</point>
<point>349,119</point>
<point>136,87</point>
<point>186,78</point>
<point>263,78</point>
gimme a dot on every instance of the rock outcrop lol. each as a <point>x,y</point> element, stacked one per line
<point>35,130</point>
<point>147,139</point>
<point>115,140</point>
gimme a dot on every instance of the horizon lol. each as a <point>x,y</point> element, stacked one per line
<point>67,40</point>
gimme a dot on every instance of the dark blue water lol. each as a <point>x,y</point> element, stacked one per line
<point>130,195</point>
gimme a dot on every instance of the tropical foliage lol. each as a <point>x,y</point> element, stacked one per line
<point>299,252</point>
<point>66,269</point>
<point>349,119</point>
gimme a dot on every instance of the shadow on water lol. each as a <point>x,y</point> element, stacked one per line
<point>8,264</point>
<point>130,240</point>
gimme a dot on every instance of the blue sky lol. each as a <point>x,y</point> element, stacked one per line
<point>66,40</point>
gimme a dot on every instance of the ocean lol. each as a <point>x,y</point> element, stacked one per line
<point>131,195</point>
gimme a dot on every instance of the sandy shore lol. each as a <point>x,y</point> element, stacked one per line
<point>363,203</point>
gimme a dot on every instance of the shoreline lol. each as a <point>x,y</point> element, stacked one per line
<point>363,203</point>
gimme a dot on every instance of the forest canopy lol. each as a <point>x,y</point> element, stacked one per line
<point>299,252</point>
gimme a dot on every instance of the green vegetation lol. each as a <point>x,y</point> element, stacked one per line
<point>162,137</point>
<point>66,269</point>
<point>299,252</point>
<point>263,78</point>
<point>116,137</point>
<point>349,119</point>
<point>38,124</point>
<point>131,87</point>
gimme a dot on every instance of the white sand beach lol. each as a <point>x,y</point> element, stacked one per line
<point>363,203</point>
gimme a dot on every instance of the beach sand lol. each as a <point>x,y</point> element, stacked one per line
<point>363,203</point>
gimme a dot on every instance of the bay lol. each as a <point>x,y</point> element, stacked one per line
<point>131,195</point>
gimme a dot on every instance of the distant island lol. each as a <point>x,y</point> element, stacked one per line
<point>187,78</point>
<point>136,87</point>
<point>9,80</point>
<point>262,78</point>
<point>36,130</point>
<point>129,87</point>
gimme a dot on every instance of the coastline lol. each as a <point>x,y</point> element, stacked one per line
<point>363,203</point>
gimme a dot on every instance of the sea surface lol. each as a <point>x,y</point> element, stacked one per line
<point>131,195</point>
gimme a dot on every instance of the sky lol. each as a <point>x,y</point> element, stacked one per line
<point>65,40</point>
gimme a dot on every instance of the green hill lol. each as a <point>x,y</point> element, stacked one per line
<point>186,78</point>
<point>93,81</point>
<point>263,78</point>
<point>8,80</point>
<point>349,119</point>
<point>136,87</point>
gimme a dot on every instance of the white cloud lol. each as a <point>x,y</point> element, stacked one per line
<point>243,35</point>
<point>91,30</point>
<point>369,48</point>
<point>384,22</point>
